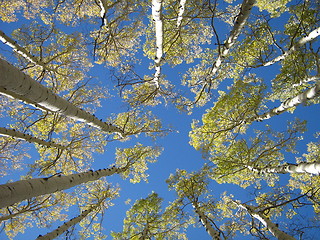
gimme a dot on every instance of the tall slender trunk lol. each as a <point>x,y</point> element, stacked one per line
<point>181,11</point>
<point>303,167</point>
<point>23,52</point>
<point>16,84</point>
<point>103,4</point>
<point>289,103</point>
<point>18,191</point>
<point>64,227</point>
<point>205,222</point>
<point>273,228</point>
<point>306,80</point>
<point>285,106</point>
<point>19,135</point>
<point>312,35</point>
<point>239,23</point>
<point>157,17</point>
<point>103,11</point>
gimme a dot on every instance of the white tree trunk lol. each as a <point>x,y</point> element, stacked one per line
<point>289,103</point>
<point>315,33</point>
<point>181,11</point>
<point>303,167</point>
<point>19,135</point>
<point>103,11</point>
<point>23,52</point>
<point>61,229</point>
<point>157,18</point>
<point>205,222</point>
<point>240,21</point>
<point>275,231</point>
<point>15,83</point>
<point>306,80</point>
<point>18,191</point>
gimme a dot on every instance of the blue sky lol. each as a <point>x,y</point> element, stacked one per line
<point>177,151</point>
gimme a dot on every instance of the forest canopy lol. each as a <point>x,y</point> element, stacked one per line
<point>159,119</point>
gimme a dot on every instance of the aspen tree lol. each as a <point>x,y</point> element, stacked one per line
<point>16,84</point>
<point>24,189</point>
<point>27,137</point>
<point>94,203</point>
<point>202,44</point>
<point>157,18</point>
<point>303,97</point>
<point>181,11</point>
<point>23,52</point>
<point>146,220</point>
<point>192,188</point>
<point>272,227</point>
<point>130,162</point>
<point>205,222</point>
<point>302,167</point>
<point>239,23</point>
<point>311,36</point>
<point>61,229</point>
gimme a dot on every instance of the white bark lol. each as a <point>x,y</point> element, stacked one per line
<point>61,229</point>
<point>181,11</point>
<point>15,83</point>
<point>23,52</point>
<point>205,222</point>
<point>19,135</point>
<point>315,33</point>
<point>303,167</point>
<point>103,11</point>
<point>289,103</point>
<point>275,231</point>
<point>18,191</point>
<point>238,25</point>
<point>157,18</point>
<point>308,79</point>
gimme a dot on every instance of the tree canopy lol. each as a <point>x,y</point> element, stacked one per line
<point>159,119</point>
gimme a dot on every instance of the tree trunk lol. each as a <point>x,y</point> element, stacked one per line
<point>289,103</point>
<point>18,191</point>
<point>103,10</point>
<point>157,17</point>
<point>303,167</point>
<point>315,33</point>
<point>61,229</point>
<point>205,222</point>
<point>23,52</point>
<point>19,135</point>
<point>181,11</point>
<point>237,27</point>
<point>16,84</point>
<point>275,231</point>
<point>308,79</point>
